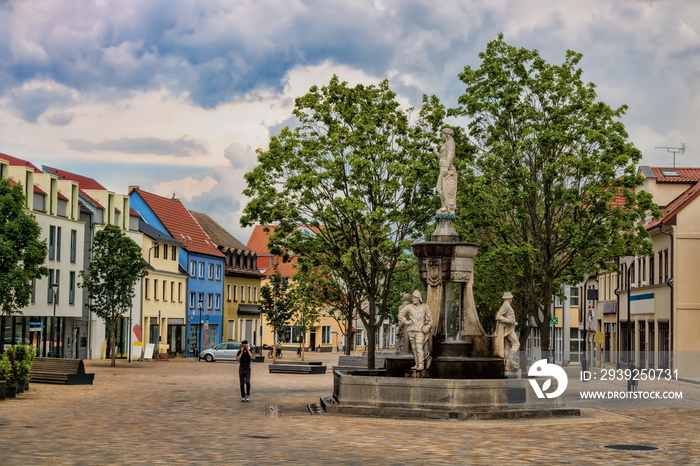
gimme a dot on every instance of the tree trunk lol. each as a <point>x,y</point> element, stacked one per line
<point>112,341</point>
<point>348,337</point>
<point>371,343</point>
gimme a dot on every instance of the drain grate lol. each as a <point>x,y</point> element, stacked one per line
<point>631,447</point>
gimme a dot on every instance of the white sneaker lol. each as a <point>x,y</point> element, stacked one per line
<point>247,398</point>
<point>242,400</point>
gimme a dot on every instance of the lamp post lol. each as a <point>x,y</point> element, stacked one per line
<point>586,297</point>
<point>54,289</point>
<point>199,337</point>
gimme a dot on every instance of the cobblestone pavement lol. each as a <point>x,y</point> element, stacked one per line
<point>189,412</point>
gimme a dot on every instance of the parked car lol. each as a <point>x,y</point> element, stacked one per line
<point>222,351</point>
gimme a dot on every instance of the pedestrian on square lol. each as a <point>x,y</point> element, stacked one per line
<point>244,356</point>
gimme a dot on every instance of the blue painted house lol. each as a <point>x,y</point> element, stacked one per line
<point>199,257</point>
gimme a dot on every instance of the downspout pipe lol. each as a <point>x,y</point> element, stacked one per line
<point>669,282</point>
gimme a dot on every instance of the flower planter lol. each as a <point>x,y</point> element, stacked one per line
<point>20,388</point>
<point>10,392</point>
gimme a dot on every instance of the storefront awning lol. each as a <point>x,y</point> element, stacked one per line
<point>248,309</point>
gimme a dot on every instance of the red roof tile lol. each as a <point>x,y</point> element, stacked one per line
<point>687,175</point>
<point>286,268</point>
<point>676,205</point>
<point>179,223</point>
<point>15,162</point>
<point>83,181</point>
<point>259,238</point>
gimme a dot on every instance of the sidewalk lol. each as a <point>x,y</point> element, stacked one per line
<point>189,412</point>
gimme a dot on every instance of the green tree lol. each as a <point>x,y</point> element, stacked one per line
<point>275,304</point>
<point>550,194</point>
<point>22,253</point>
<point>116,267</point>
<point>306,302</point>
<point>359,174</point>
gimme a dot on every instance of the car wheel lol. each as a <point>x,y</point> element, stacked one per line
<point>209,358</point>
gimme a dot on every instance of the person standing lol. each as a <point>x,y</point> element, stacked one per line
<point>244,356</point>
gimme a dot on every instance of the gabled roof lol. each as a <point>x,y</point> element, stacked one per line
<point>668,174</point>
<point>259,238</point>
<point>83,181</point>
<point>179,223</point>
<point>15,162</point>
<point>222,238</point>
<point>676,205</point>
<point>156,234</point>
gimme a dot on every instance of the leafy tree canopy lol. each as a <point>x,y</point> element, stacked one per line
<point>358,173</point>
<point>550,192</point>
<point>115,269</point>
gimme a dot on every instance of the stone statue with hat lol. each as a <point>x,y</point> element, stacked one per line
<point>506,343</point>
<point>418,322</point>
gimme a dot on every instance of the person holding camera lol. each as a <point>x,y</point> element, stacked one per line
<point>244,356</point>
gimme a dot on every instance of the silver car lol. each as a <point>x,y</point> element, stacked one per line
<point>222,351</point>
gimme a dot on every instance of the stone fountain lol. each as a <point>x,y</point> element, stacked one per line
<point>459,371</point>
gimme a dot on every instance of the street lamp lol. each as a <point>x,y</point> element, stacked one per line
<point>54,289</point>
<point>199,338</point>
<point>586,296</point>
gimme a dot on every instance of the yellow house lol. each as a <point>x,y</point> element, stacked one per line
<point>163,294</point>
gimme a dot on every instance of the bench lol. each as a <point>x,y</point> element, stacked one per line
<point>350,362</point>
<point>303,363</point>
<point>297,369</point>
<point>60,370</point>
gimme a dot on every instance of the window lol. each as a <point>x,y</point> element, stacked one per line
<point>155,289</point>
<point>666,275</point>
<point>193,300</point>
<point>250,294</point>
<point>217,301</point>
<point>173,253</point>
<point>218,272</point>
<point>156,251</point>
<point>165,251</point>
<point>235,293</point>
<point>651,270</point>
<point>573,296</point>
<point>147,288</point>
<point>58,243</point>
<point>272,261</point>
<point>172,292</point>
<point>71,288</point>
<point>210,301</point>
<point>200,299</point>
<point>228,293</point>
<point>661,267</point>
<point>670,173</point>
<point>255,294</point>
<point>242,293</point>
<point>201,270</point>
<point>179,292</point>
<point>49,294</point>
<point>193,269</point>
<point>33,298</point>
<point>292,335</point>
<point>52,242</point>
<point>359,341</point>
<point>73,244</point>
<point>211,271</point>
<point>326,335</point>
<point>165,290</point>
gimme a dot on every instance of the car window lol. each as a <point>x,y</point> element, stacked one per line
<point>222,346</point>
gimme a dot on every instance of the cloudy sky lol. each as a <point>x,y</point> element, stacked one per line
<point>175,96</point>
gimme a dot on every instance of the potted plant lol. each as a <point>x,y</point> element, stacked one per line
<point>13,380</point>
<point>5,376</point>
<point>24,357</point>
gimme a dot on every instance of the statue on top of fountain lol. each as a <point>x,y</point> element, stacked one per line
<point>447,179</point>
<point>418,323</point>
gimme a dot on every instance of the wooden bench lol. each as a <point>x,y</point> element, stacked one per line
<point>60,370</point>
<point>297,369</point>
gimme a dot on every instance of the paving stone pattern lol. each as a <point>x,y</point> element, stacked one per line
<point>189,412</point>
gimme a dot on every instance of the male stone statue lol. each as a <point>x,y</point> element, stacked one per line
<point>447,180</point>
<point>402,334</point>
<point>419,323</point>
<point>506,341</point>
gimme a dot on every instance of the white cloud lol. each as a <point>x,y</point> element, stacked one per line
<point>186,188</point>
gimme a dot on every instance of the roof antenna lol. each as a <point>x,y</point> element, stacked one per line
<point>674,150</point>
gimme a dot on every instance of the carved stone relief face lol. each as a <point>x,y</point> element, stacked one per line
<point>434,272</point>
